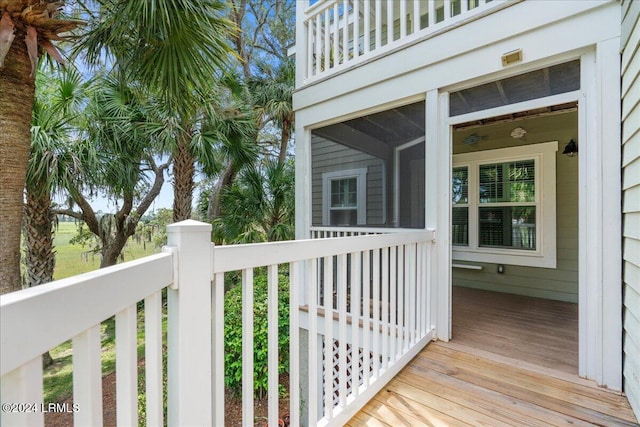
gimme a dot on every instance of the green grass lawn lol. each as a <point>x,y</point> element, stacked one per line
<point>75,259</point>
<point>72,259</point>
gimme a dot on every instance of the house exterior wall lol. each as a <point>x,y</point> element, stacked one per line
<point>560,283</point>
<point>630,42</point>
<point>328,156</point>
<point>548,33</point>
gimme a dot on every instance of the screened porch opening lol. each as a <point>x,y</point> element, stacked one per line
<point>514,226</point>
<point>369,171</point>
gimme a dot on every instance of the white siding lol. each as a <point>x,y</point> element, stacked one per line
<point>631,198</point>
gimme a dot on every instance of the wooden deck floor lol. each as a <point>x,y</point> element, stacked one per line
<point>499,376</point>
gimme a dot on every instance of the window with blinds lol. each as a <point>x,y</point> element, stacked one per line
<point>502,201</point>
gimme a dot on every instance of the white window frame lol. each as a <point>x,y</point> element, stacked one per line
<point>544,156</point>
<point>361,184</point>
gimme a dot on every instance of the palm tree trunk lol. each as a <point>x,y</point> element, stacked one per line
<point>38,226</point>
<point>183,173</point>
<point>215,199</point>
<point>39,256</point>
<point>17,91</point>
<point>285,135</point>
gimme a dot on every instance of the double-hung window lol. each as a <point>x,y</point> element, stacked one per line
<point>344,197</point>
<point>503,206</point>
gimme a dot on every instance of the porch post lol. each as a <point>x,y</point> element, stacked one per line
<point>189,325</point>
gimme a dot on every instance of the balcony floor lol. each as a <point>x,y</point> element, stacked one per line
<point>499,369</point>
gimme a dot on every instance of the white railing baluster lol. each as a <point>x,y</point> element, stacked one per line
<point>328,336</point>
<point>447,10</point>
<point>403,18</point>
<point>342,327</point>
<point>416,16</point>
<point>401,307</point>
<point>393,285</point>
<point>366,318</point>
<point>87,378</point>
<point>327,41</point>
<point>294,342</point>
<point>247,347</point>
<point>272,343</point>
<point>127,366</point>
<point>217,349</point>
<point>345,32</point>
<point>385,308</point>
<point>413,300</point>
<point>23,385</point>
<point>428,274</point>
<point>311,49</point>
<point>336,37</point>
<point>367,27</point>
<point>390,21</point>
<point>318,48</point>
<point>378,16</point>
<point>432,12</point>
<point>312,278</point>
<point>375,346</point>
<point>153,359</point>
<point>356,28</point>
<point>407,299</point>
<point>419,291</point>
<point>356,301</point>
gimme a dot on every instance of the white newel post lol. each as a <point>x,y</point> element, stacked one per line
<point>189,326</point>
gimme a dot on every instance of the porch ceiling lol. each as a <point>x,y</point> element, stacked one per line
<point>391,127</point>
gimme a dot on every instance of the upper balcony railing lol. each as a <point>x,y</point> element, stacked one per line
<point>333,35</point>
<point>363,301</point>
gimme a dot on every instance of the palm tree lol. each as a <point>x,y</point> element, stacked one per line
<point>119,159</point>
<point>259,206</point>
<point>52,164</point>
<point>272,97</point>
<point>175,49</point>
<point>25,26</point>
<point>236,127</point>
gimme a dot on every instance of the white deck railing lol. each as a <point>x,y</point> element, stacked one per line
<point>376,289</point>
<point>337,34</point>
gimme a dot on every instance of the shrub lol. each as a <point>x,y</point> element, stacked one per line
<point>233,334</point>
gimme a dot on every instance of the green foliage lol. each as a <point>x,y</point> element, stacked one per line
<point>259,206</point>
<point>233,334</point>
<point>158,223</point>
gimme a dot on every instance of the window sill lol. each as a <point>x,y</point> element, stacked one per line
<point>525,260</point>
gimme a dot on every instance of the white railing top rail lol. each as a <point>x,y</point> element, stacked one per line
<point>319,7</point>
<point>34,320</point>
<point>239,257</point>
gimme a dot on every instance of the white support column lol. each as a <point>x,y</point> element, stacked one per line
<point>189,325</point>
<point>600,276</point>
<point>303,182</point>
<point>608,60</point>
<point>437,209</point>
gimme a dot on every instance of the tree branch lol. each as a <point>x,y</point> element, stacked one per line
<point>68,212</point>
